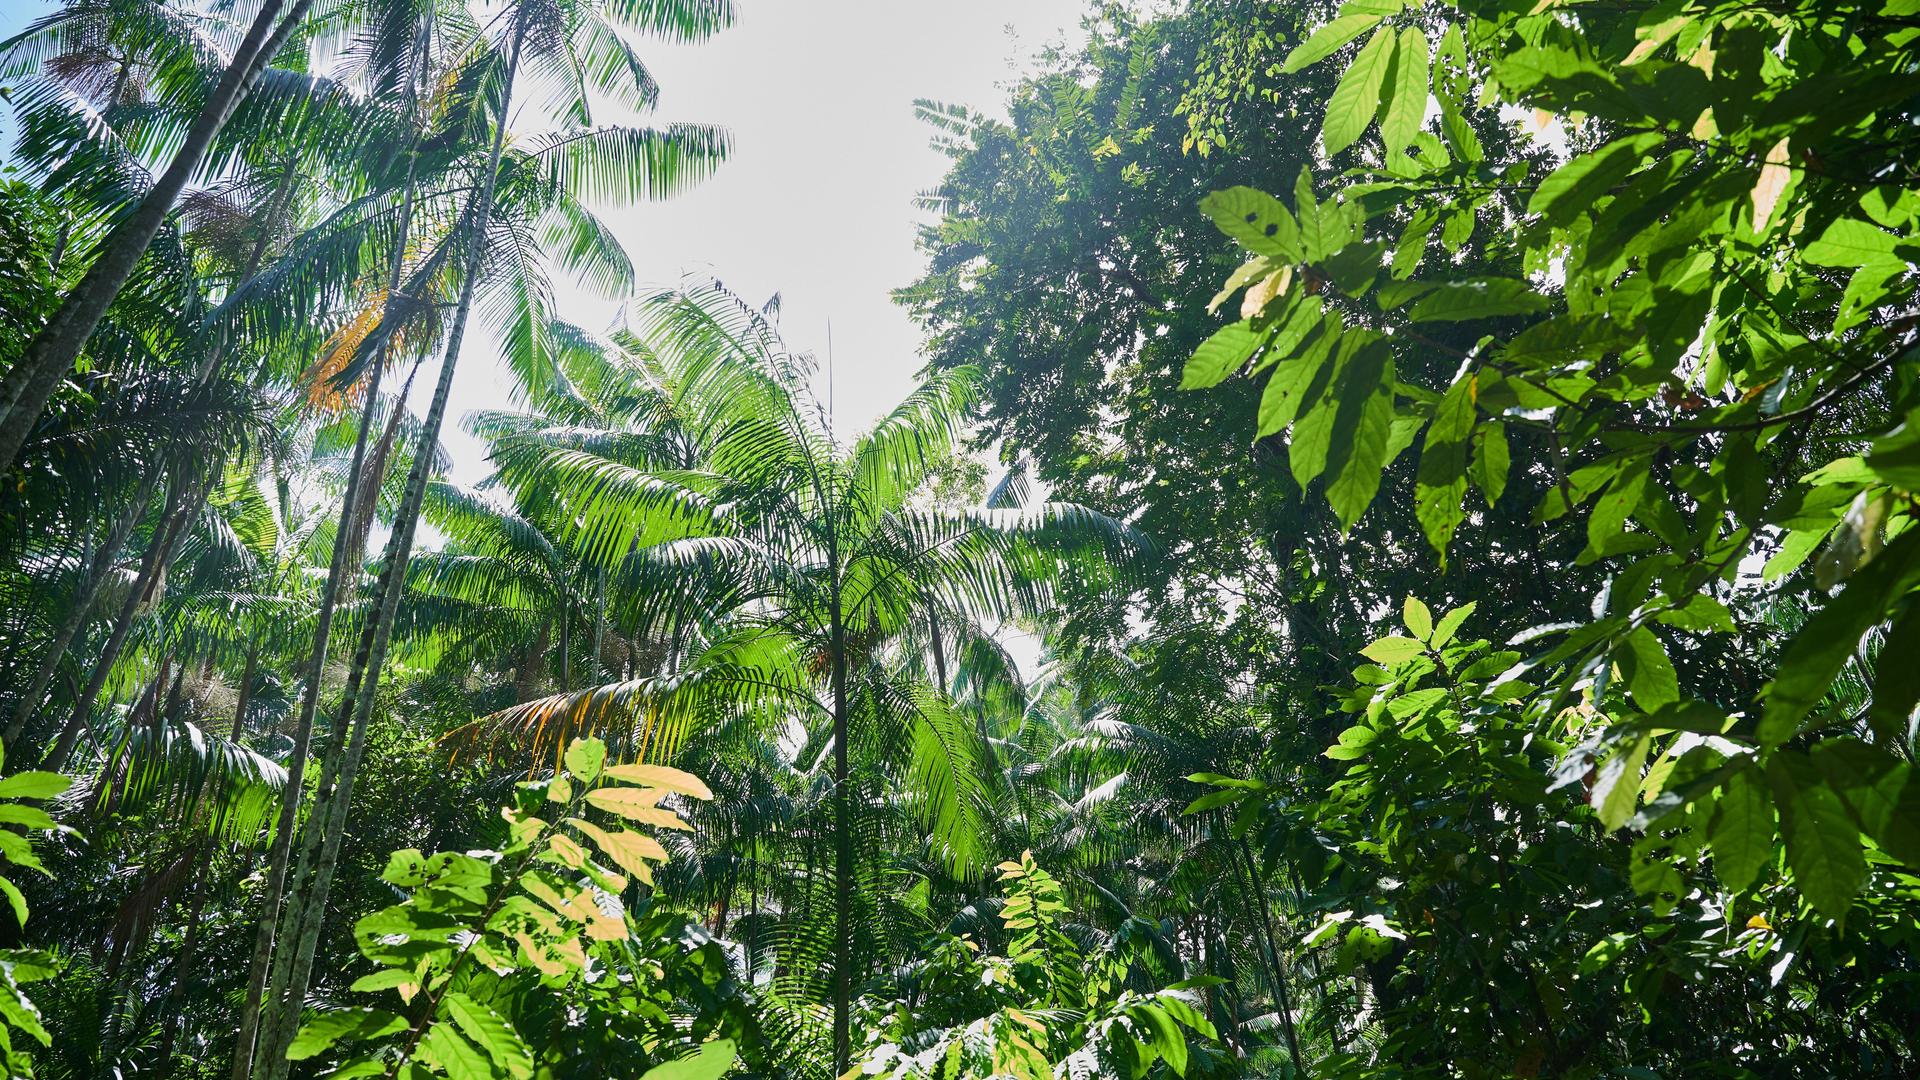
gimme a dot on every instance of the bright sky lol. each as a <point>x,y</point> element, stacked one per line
<point>817,201</point>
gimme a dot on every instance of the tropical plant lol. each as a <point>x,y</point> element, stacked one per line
<point>21,966</point>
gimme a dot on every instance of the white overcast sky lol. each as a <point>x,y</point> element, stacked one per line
<point>817,201</point>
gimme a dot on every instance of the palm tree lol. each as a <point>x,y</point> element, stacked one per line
<point>812,550</point>
<point>25,388</point>
<point>580,43</point>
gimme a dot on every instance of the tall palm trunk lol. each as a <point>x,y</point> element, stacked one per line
<point>25,388</point>
<point>843,837</point>
<point>346,554</point>
<point>306,907</point>
<point>1276,968</point>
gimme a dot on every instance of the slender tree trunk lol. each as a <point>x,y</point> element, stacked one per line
<point>1283,998</point>
<point>598,671</point>
<point>246,691</point>
<point>348,540</point>
<point>81,603</point>
<point>345,558</point>
<point>842,840</point>
<point>566,641</point>
<point>364,680</point>
<point>159,552</point>
<point>48,358</point>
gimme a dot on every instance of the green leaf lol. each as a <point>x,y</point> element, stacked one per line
<point>709,1063</point>
<point>354,1025</point>
<point>1572,189</point>
<point>584,759</point>
<point>1450,624</point>
<point>1880,791</point>
<point>30,817</point>
<point>1492,461</point>
<point>1827,641</point>
<point>1257,220</point>
<point>1650,675</point>
<point>1616,784</point>
<point>1741,836</point>
<point>1851,242</point>
<point>1418,617</point>
<point>1441,484</point>
<point>1295,383</point>
<point>443,1046</point>
<point>491,1032</point>
<point>1407,105</point>
<point>1389,651</point>
<point>1362,431</point>
<point>34,785</point>
<point>1356,99</point>
<point>1221,355</point>
<point>1478,298</point>
<point>1823,845</point>
<point>1327,40</point>
<point>16,899</point>
<point>1896,678</point>
<point>1604,952</point>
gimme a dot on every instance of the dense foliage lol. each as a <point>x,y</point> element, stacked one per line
<point>1454,467</point>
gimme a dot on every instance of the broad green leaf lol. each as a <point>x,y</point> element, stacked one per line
<point>1604,952</point>
<point>1741,835</point>
<point>1478,298</point>
<point>491,1032</point>
<point>34,785</point>
<point>29,817</point>
<point>584,759</point>
<point>1616,783</point>
<point>1417,617</point>
<point>1650,678</point>
<point>1823,844</point>
<point>1880,791</point>
<point>1362,431</point>
<point>1441,485</point>
<point>1611,511</point>
<point>1492,460</point>
<point>1327,40</point>
<point>1389,651</point>
<point>1217,358</point>
<point>1257,220</point>
<point>1850,242</point>
<point>708,1063</point>
<point>16,899</point>
<point>1297,383</point>
<point>1451,622</point>
<point>1356,99</point>
<point>460,1059</point>
<point>1572,189</point>
<point>1827,641</point>
<point>1896,678</point>
<point>1407,105</point>
<point>352,1024</point>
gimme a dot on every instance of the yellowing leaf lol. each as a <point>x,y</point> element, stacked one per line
<point>628,849</point>
<point>660,776</point>
<point>1273,285</point>
<point>1774,176</point>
